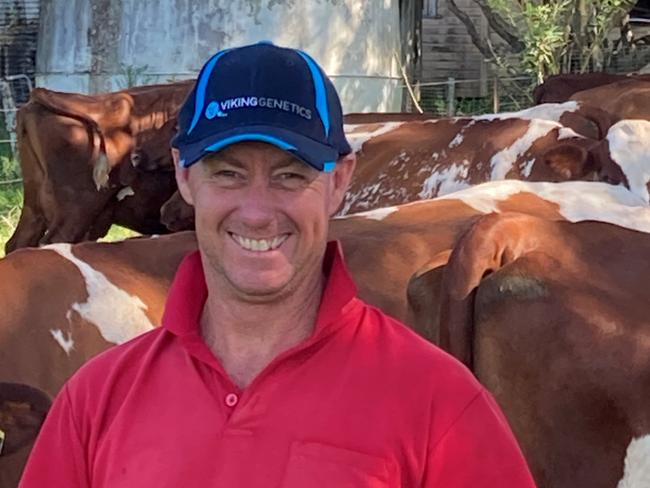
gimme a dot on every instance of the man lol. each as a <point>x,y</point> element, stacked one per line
<point>267,370</point>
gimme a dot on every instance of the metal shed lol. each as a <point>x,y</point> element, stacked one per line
<point>102,45</point>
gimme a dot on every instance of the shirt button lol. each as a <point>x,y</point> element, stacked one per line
<point>231,399</point>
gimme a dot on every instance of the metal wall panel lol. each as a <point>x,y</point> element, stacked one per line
<point>104,45</point>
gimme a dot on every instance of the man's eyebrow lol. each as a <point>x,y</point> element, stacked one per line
<point>286,162</point>
<point>223,158</point>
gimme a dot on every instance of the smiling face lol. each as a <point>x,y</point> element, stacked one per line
<point>262,217</point>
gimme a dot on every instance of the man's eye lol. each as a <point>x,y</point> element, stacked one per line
<point>226,173</point>
<point>290,176</point>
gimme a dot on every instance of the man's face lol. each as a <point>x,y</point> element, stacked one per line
<point>262,217</point>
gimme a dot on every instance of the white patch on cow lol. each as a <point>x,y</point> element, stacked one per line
<point>435,156</point>
<point>447,180</point>
<point>356,136</point>
<point>566,133</point>
<point>629,147</point>
<point>66,344</point>
<point>577,200</point>
<point>118,315</point>
<point>545,111</point>
<point>503,161</point>
<point>457,141</point>
<point>377,214</point>
<point>636,471</point>
<point>527,168</point>
<point>127,191</point>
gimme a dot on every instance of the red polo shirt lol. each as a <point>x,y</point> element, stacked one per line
<point>363,402</point>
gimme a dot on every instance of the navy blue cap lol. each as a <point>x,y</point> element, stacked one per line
<point>263,92</point>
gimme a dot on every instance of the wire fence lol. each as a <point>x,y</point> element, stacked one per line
<point>12,88</point>
<point>455,97</point>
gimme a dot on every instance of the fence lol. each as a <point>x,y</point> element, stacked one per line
<point>13,88</point>
<point>473,97</point>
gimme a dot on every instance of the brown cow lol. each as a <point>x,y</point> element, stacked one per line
<point>626,99</point>
<point>401,161</point>
<point>22,411</point>
<point>78,153</point>
<point>419,160</point>
<point>552,318</point>
<point>560,88</point>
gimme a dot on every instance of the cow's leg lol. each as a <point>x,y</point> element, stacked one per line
<point>29,230</point>
<point>75,215</point>
<point>32,223</point>
<point>33,220</point>
<point>101,225</point>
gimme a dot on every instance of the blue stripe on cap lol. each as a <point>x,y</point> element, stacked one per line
<point>201,87</point>
<point>321,94</point>
<point>328,166</point>
<point>252,136</point>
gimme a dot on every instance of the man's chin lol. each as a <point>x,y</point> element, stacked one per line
<point>262,290</point>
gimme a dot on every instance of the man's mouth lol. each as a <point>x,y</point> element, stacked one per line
<point>259,245</point>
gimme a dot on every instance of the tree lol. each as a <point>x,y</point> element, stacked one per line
<point>546,37</point>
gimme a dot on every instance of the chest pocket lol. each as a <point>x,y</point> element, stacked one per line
<point>316,465</point>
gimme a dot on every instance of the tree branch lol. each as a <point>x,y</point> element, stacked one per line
<point>480,44</point>
<point>501,27</point>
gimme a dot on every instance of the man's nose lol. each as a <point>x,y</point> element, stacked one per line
<point>257,205</point>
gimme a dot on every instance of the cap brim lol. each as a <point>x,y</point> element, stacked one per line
<point>319,156</point>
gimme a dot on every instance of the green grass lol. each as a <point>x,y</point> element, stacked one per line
<point>11,199</point>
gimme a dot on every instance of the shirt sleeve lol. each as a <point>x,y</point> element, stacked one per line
<point>58,457</point>
<point>479,449</point>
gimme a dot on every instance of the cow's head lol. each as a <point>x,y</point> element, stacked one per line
<point>176,214</point>
<point>586,161</point>
<point>152,151</point>
<point>22,411</point>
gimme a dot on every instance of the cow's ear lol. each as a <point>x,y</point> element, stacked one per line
<point>568,161</point>
<point>22,411</point>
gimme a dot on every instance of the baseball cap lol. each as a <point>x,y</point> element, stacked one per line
<point>263,92</point>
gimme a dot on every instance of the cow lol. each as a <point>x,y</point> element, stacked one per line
<point>79,155</point>
<point>626,99</point>
<point>620,158</point>
<point>420,160</point>
<point>22,411</point>
<point>552,318</point>
<point>560,88</point>
<point>402,161</point>
<point>115,291</point>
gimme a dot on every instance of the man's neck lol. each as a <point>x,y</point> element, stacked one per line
<point>247,337</point>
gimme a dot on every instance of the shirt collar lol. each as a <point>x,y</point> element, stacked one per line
<point>189,292</point>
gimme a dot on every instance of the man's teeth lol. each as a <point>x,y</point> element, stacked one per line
<point>260,244</point>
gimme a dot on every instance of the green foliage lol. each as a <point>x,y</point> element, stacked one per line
<point>11,198</point>
<point>134,76</point>
<point>555,32</point>
<point>9,168</point>
<point>117,233</point>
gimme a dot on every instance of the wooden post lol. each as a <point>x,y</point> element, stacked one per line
<point>495,96</point>
<point>451,96</point>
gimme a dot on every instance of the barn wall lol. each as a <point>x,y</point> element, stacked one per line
<point>104,45</point>
<point>447,48</point>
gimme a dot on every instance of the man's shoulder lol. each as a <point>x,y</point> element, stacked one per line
<point>118,364</point>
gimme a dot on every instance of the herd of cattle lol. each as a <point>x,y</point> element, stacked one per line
<point>515,241</point>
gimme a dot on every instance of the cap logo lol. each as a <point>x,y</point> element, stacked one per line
<point>213,111</point>
<point>219,109</point>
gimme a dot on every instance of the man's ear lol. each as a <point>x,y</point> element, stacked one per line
<point>341,176</point>
<point>182,177</point>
